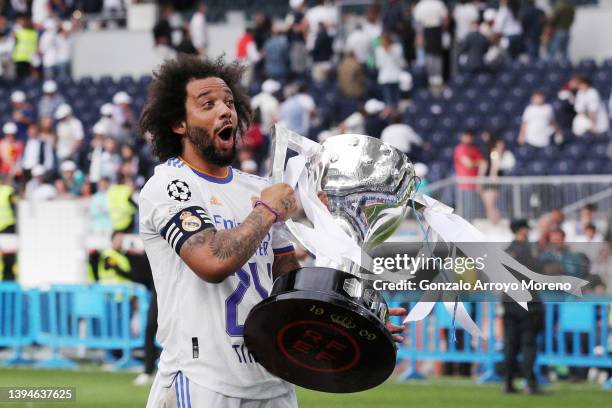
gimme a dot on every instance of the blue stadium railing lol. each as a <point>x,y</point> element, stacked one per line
<point>96,317</point>
<point>575,334</point>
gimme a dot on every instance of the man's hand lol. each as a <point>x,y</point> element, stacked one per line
<point>394,329</point>
<point>323,198</point>
<point>281,197</point>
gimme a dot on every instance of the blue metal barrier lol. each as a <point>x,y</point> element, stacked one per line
<point>15,321</point>
<point>572,334</point>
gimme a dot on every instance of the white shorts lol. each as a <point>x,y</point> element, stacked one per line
<point>182,393</point>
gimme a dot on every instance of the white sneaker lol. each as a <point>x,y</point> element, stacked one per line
<point>143,379</point>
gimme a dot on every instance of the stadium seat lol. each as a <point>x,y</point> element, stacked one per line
<point>561,168</point>
<point>537,167</point>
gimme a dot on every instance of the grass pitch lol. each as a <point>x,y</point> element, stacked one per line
<point>97,389</point>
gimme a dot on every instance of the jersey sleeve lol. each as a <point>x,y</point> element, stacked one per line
<point>281,242</point>
<point>168,209</point>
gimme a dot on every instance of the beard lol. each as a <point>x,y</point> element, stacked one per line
<point>204,144</point>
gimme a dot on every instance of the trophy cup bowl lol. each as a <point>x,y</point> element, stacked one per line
<point>324,328</point>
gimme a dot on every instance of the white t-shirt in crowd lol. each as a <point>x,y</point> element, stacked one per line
<point>538,120</point>
<point>268,107</point>
<point>588,101</point>
<point>430,13</point>
<point>198,30</point>
<point>506,24</point>
<point>68,132</point>
<point>360,43</point>
<point>390,63</point>
<point>401,136</point>
<point>464,15</point>
<point>326,14</point>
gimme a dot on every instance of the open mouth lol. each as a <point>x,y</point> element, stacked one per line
<point>226,133</point>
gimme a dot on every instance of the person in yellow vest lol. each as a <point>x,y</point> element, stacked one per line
<point>7,226</point>
<point>122,206</point>
<point>114,266</point>
<point>26,45</point>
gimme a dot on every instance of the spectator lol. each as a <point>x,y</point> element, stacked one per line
<point>248,55</point>
<point>23,114</point>
<point>266,103</point>
<point>50,101</point>
<point>38,188</point>
<point>473,49</point>
<point>393,17</point>
<point>276,56</point>
<point>590,235</point>
<point>402,136</point>
<point>374,120</point>
<point>64,51</point>
<point>298,28</point>
<point>110,160</point>
<point>106,117</point>
<point>390,62</point>
<point>421,170</point>
<point>432,17</point>
<point>69,131</point>
<point>465,14</point>
<point>561,23</point>
<point>565,112</point>
<point>122,205</point>
<point>354,123</point>
<point>96,147</point>
<point>538,122</point>
<point>532,22</point>
<point>124,120</point>
<point>38,150</point>
<point>26,46</point>
<point>497,160</point>
<point>322,51</point>
<point>360,42</point>
<point>322,13</point>
<point>186,46</point>
<point>7,44</point>
<point>407,35</point>
<point>72,178</point>
<point>548,223</point>
<point>296,110</point>
<point>557,259</point>
<point>509,27</point>
<point>467,159</point>
<point>130,161</point>
<point>98,209</point>
<point>351,78</point>
<point>591,115</point>
<point>48,47</point>
<point>10,150</point>
<point>198,29</point>
<point>577,229</point>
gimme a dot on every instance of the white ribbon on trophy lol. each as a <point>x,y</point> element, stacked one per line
<point>332,246</point>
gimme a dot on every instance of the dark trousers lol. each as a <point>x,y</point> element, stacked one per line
<point>520,336</point>
<point>150,349</point>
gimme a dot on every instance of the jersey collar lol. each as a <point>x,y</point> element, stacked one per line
<point>209,177</point>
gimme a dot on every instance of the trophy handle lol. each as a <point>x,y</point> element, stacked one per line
<point>283,139</point>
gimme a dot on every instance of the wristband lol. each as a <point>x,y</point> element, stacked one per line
<point>273,210</point>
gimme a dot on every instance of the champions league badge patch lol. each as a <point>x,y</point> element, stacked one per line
<point>179,190</point>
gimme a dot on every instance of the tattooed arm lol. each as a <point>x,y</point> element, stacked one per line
<point>214,255</point>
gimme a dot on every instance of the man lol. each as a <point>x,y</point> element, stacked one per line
<point>473,49</point>
<point>591,115</point>
<point>468,158</point>
<point>432,17</point>
<point>198,28</point>
<point>222,247</point>
<point>521,326</point>
<point>50,100</point>
<point>561,22</point>
<point>538,122</point>
<point>69,132</point>
<point>403,137</point>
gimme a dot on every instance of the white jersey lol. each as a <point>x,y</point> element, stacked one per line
<point>200,324</point>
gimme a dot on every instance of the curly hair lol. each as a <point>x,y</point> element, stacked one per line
<point>167,95</point>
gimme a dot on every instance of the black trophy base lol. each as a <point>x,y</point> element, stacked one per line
<point>313,331</point>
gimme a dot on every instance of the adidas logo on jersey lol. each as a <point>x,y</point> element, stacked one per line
<point>215,201</point>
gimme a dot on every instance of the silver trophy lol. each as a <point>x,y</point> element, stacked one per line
<point>323,328</point>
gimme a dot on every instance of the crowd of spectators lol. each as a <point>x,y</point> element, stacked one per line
<point>46,151</point>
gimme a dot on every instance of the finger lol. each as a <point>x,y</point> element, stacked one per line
<point>398,339</point>
<point>397,311</point>
<point>394,328</point>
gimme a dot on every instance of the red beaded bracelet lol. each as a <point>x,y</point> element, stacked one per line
<point>273,210</point>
